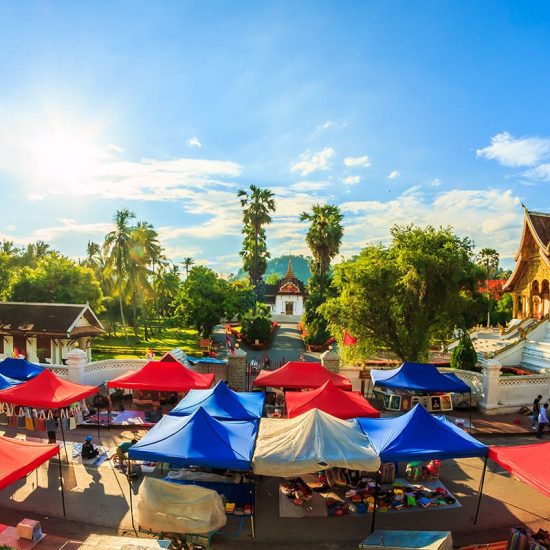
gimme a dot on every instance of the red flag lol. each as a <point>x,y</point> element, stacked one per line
<point>349,340</point>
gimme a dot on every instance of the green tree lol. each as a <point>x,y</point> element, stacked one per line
<point>323,238</point>
<point>488,258</point>
<point>187,264</point>
<point>405,296</point>
<point>117,249</point>
<point>238,299</point>
<point>464,355</point>
<point>257,206</point>
<point>200,300</point>
<point>57,279</point>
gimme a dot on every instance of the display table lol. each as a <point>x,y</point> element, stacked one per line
<point>408,540</point>
<point>105,542</point>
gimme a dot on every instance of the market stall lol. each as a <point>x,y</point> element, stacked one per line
<point>300,375</point>
<point>411,383</point>
<point>7,382</point>
<point>222,403</point>
<point>37,398</point>
<point>332,400</point>
<point>199,440</point>
<point>19,369</point>
<point>19,458</point>
<point>157,386</point>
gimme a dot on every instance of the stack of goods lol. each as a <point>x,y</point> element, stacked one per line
<point>415,471</point>
<point>298,490</point>
<point>410,496</point>
<point>524,538</point>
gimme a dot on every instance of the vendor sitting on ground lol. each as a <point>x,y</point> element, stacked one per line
<point>88,450</point>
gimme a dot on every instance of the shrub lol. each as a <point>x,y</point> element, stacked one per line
<point>464,356</point>
<point>256,328</point>
<point>317,332</point>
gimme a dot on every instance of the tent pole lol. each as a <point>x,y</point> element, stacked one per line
<point>61,481</point>
<point>63,437</point>
<point>480,489</point>
<point>374,508</point>
<point>98,436</point>
<point>368,389</point>
<point>470,411</point>
<point>131,500</point>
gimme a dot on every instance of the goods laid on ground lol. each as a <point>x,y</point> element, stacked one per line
<point>523,539</point>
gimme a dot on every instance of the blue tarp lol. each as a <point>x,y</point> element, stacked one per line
<point>7,382</point>
<point>212,360</point>
<point>418,377</point>
<point>19,369</point>
<point>417,435</point>
<point>222,403</point>
<point>199,440</point>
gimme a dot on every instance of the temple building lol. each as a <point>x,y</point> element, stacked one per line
<point>287,296</point>
<point>529,281</point>
<point>45,333</point>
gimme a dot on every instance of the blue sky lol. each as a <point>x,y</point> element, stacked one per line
<point>427,112</point>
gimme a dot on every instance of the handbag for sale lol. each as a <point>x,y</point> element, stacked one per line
<point>40,425</point>
<point>21,419</point>
<point>29,424</point>
<point>518,540</point>
<point>3,418</point>
<point>72,423</point>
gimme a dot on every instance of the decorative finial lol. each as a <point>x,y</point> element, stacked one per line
<point>289,273</point>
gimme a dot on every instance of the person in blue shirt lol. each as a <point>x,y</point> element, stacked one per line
<point>543,419</point>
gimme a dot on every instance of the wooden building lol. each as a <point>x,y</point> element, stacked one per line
<point>530,280</point>
<point>45,333</point>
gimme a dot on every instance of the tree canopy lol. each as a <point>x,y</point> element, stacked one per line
<point>404,296</point>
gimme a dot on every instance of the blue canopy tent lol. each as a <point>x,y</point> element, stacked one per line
<point>222,403</point>
<point>19,369</point>
<point>199,440</point>
<point>7,382</point>
<point>417,435</point>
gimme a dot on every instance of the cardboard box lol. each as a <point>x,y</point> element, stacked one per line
<point>29,529</point>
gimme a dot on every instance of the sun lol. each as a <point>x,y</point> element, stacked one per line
<point>61,157</point>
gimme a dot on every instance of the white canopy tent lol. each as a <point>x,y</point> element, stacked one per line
<point>310,442</point>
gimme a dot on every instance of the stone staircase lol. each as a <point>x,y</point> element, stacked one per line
<point>536,353</point>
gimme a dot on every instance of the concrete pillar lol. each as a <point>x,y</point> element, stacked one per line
<point>236,370</point>
<point>491,389</point>
<point>331,360</point>
<point>76,362</point>
<point>8,346</point>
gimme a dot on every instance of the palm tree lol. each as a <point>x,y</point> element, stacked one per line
<point>187,263</point>
<point>323,237</point>
<point>117,248</point>
<point>257,206</point>
<point>489,259</point>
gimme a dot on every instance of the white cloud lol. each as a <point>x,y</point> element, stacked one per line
<point>510,151</point>
<point>326,125</point>
<point>69,226</point>
<point>357,161</point>
<point>312,162</point>
<point>541,172</point>
<point>309,185</point>
<point>436,182</point>
<point>11,227</point>
<point>393,174</point>
<point>194,142</point>
<point>491,217</point>
<point>352,180</point>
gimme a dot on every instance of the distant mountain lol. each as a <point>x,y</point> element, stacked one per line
<point>279,266</point>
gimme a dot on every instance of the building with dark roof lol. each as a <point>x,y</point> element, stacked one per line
<point>46,332</point>
<point>529,281</point>
<point>286,297</point>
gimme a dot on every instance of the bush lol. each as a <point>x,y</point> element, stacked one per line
<point>464,356</point>
<point>317,332</point>
<point>256,328</point>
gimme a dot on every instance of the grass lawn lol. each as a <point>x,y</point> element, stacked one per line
<point>118,347</point>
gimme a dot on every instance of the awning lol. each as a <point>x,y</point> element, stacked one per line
<point>530,463</point>
<point>199,440</point>
<point>19,369</point>
<point>330,399</point>
<point>168,376</point>
<point>18,458</point>
<point>418,377</point>
<point>223,403</point>
<point>7,382</point>
<point>46,391</point>
<point>300,375</point>
<point>311,442</point>
<point>417,435</point>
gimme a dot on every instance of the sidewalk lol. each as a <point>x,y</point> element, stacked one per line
<point>498,424</point>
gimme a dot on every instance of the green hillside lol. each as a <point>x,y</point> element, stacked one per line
<point>279,265</point>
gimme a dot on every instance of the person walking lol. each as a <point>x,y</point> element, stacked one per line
<point>543,419</point>
<point>536,411</point>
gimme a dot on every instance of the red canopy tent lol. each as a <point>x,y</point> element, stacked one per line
<point>46,391</point>
<point>18,458</point>
<point>300,375</point>
<point>332,400</point>
<point>168,376</point>
<point>527,462</point>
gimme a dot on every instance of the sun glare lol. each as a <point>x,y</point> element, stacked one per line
<point>61,158</point>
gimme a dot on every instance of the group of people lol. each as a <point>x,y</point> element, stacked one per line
<point>540,416</point>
